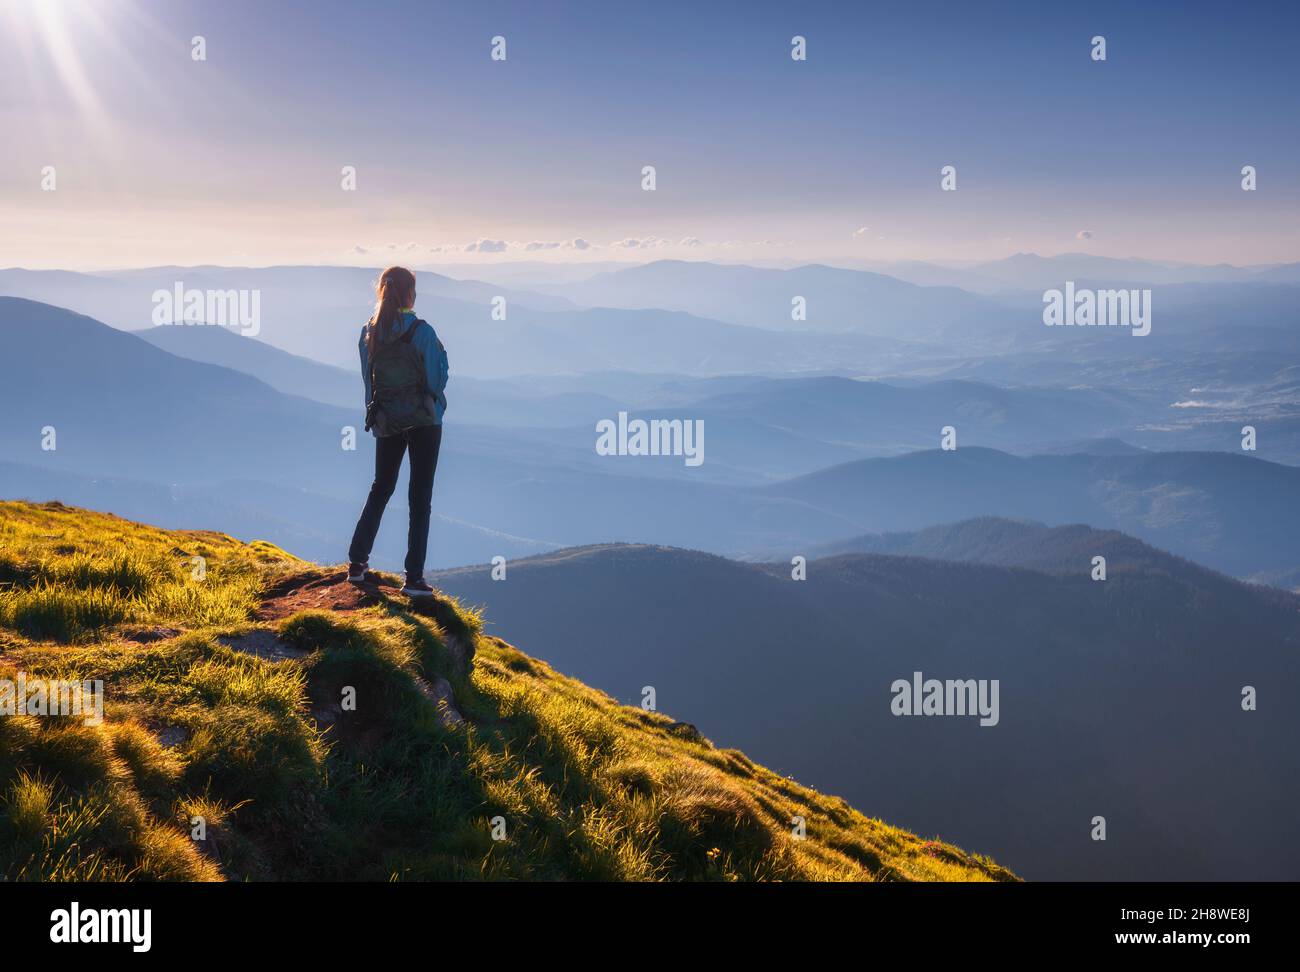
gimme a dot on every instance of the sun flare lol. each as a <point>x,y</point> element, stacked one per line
<point>57,39</point>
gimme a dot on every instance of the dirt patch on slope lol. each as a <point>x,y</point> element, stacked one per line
<point>330,592</point>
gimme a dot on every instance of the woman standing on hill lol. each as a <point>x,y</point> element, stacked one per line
<point>404,367</point>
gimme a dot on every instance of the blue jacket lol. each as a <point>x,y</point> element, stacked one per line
<point>431,350</point>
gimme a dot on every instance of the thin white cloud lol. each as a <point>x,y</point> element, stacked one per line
<point>640,243</point>
<point>578,243</point>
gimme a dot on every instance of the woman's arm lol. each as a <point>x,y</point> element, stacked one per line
<point>365,364</point>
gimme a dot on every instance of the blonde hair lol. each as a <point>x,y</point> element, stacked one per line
<point>394,290</point>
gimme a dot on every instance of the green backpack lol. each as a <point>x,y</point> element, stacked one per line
<point>399,389</point>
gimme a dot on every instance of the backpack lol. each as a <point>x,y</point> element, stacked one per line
<point>399,390</point>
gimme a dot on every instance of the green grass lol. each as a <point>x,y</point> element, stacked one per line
<point>66,575</point>
<point>49,612</point>
<point>289,780</point>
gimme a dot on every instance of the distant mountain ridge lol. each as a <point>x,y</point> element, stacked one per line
<point>1117,697</point>
<point>1001,542</point>
<point>317,312</point>
<point>117,402</point>
<point>1194,504</point>
<point>285,372</point>
<point>1022,270</point>
<point>829,299</point>
<point>127,411</point>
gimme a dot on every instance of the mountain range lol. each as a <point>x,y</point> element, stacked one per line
<point>1119,698</point>
<point>1030,271</point>
<point>224,433</point>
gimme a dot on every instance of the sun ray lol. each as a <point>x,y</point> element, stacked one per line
<point>53,20</point>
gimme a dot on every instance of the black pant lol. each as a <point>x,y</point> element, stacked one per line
<point>424,444</point>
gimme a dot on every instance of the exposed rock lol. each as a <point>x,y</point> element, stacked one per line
<point>439,693</point>
<point>462,653</point>
<point>264,644</point>
<point>327,715</point>
<point>171,736</point>
<point>684,730</point>
<point>147,635</point>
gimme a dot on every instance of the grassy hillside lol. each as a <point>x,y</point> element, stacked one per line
<point>224,700</point>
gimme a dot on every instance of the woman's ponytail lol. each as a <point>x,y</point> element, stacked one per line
<point>395,289</point>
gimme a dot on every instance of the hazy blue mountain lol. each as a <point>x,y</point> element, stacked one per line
<point>121,406</point>
<point>285,372</point>
<point>837,299</point>
<point>124,298</point>
<point>1287,579</point>
<point>1229,512</point>
<point>567,342</point>
<point>1118,698</point>
<point>317,312</point>
<point>1233,316</point>
<point>1002,542</point>
<point>1043,405</point>
<point>760,429</point>
<point>133,423</point>
<point>1281,273</point>
<point>1030,270</point>
<point>1196,399</point>
<point>925,274</point>
<point>1024,543</point>
<point>1093,447</point>
<point>529,401</point>
<point>881,415</point>
<point>651,340</point>
<point>1185,318</point>
<point>124,409</point>
<point>526,273</point>
<point>767,428</point>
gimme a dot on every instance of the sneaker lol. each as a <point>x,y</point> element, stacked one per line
<point>357,573</point>
<point>416,587</point>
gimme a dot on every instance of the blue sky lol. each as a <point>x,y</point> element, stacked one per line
<point>161,159</point>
